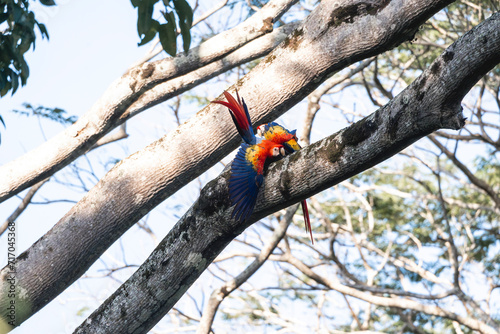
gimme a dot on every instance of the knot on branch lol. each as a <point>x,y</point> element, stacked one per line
<point>284,184</point>
<point>360,131</point>
<point>452,117</point>
<point>214,197</point>
<point>348,13</point>
<point>267,26</point>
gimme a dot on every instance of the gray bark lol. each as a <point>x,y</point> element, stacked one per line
<point>336,34</point>
<point>431,102</point>
<point>107,113</point>
<point>218,295</point>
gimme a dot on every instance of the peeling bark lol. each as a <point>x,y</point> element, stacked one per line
<point>430,103</point>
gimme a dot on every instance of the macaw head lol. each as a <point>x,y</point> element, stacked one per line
<point>278,134</point>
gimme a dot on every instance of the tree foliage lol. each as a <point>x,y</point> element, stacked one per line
<point>54,114</point>
<point>15,40</point>
<point>148,27</point>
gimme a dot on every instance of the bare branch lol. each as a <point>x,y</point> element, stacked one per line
<point>222,292</point>
<point>22,206</point>
<point>105,114</point>
<point>400,303</point>
<point>314,98</point>
<point>481,184</point>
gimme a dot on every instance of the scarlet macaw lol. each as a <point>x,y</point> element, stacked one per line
<point>279,135</point>
<point>247,175</point>
<point>247,169</point>
<point>243,188</point>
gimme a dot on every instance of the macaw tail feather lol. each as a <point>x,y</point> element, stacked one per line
<point>241,118</point>
<point>307,221</point>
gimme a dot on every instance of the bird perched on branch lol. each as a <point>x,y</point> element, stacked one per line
<point>280,135</point>
<point>247,169</point>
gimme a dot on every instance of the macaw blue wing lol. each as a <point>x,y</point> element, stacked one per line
<point>244,182</point>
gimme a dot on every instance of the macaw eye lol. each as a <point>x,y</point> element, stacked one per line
<point>276,151</point>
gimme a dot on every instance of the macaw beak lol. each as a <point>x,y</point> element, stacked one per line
<point>282,151</point>
<point>291,146</point>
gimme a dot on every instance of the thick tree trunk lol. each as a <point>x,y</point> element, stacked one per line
<point>431,102</point>
<point>336,34</point>
<point>109,111</point>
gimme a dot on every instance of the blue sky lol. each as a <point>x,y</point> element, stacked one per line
<point>92,43</point>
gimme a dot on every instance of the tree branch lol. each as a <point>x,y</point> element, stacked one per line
<point>481,184</point>
<point>104,115</point>
<point>22,206</point>
<point>222,292</point>
<point>284,78</point>
<point>401,303</point>
<point>121,134</point>
<point>430,103</point>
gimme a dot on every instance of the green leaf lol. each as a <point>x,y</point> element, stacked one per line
<point>15,82</point>
<point>185,14</point>
<point>3,17</point>
<point>5,89</point>
<point>24,46</point>
<point>145,16</point>
<point>5,84</point>
<point>25,72</point>
<point>155,26</point>
<point>17,14</point>
<point>43,30</point>
<point>168,34</point>
<point>48,2</point>
<point>184,11</point>
<point>3,79</point>
<point>15,40</point>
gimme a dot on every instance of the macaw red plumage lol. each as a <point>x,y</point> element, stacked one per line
<point>241,118</point>
<point>280,135</point>
<point>248,166</point>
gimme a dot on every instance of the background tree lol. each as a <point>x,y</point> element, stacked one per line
<point>407,246</point>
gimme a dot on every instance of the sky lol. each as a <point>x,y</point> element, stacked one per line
<point>92,43</point>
